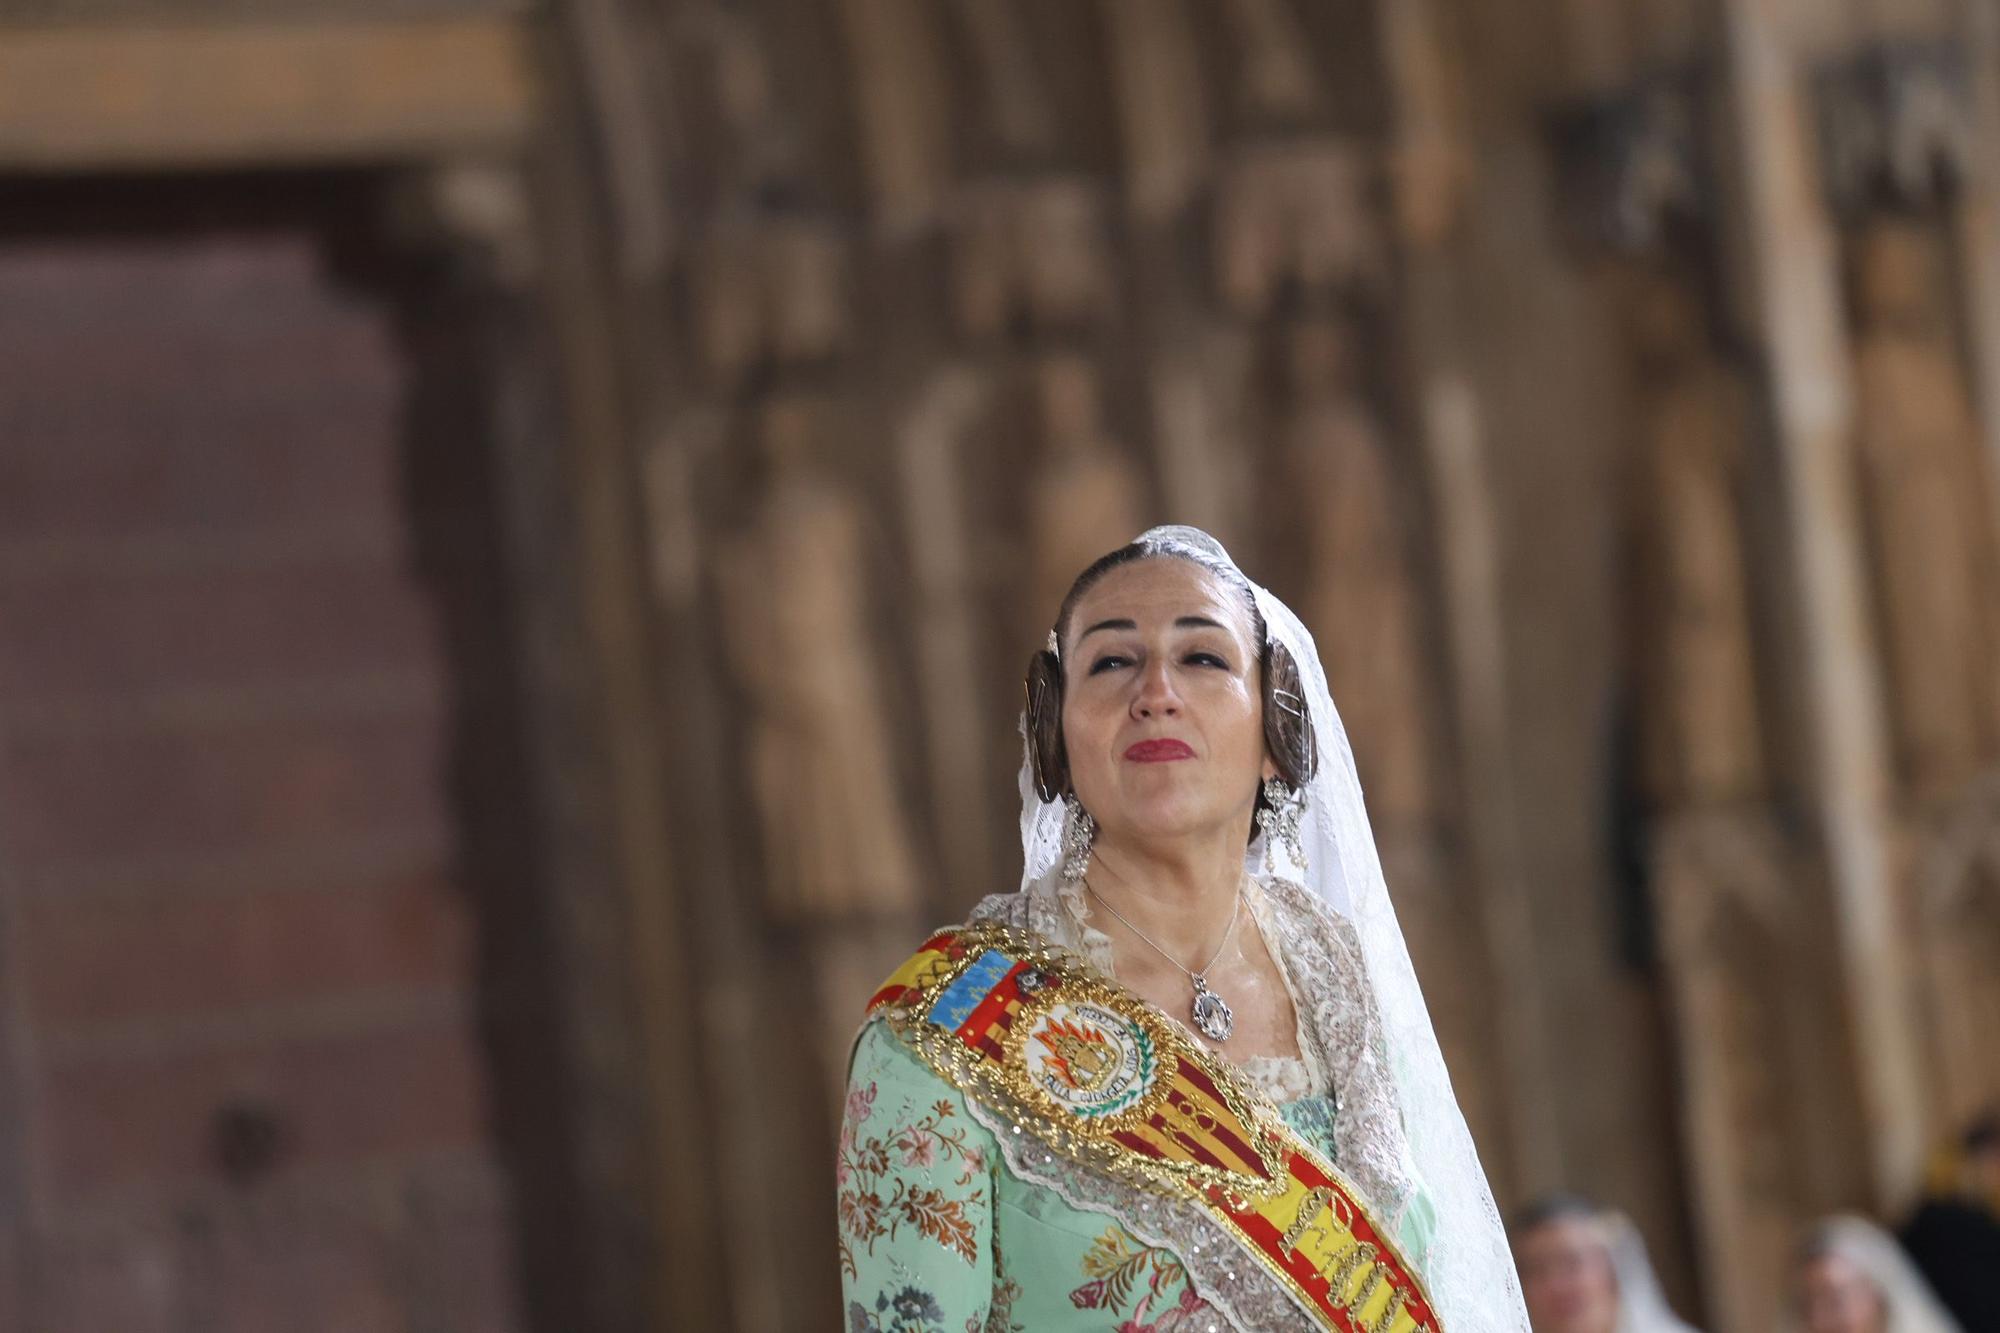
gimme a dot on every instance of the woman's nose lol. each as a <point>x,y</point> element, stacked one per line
<point>1155,696</point>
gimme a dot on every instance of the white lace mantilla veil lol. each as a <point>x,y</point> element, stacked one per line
<point>1911,1305</point>
<point>1469,1271</point>
<point>1642,1305</point>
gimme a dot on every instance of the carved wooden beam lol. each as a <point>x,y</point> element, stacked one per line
<point>96,98</point>
<point>1634,167</point>
<point>1978,227</point>
<point>127,12</point>
<point>1795,314</point>
<point>1896,127</point>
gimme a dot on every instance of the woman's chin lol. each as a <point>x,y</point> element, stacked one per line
<point>1167,821</point>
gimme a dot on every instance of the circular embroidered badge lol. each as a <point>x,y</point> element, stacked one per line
<point>1088,1059</point>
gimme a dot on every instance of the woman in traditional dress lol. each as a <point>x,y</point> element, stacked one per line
<point>1184,1078</point>
<point>1585,1269</point>
<point>1852,1277</point>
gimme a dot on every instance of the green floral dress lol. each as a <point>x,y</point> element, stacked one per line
<point>938,1234</point>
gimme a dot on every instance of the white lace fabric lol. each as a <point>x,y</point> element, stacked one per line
<point>1340,1035</point>
<point>1322,971</point>
<point>1642,1304</point>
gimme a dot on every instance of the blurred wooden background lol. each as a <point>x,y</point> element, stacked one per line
<point>1613,385</point>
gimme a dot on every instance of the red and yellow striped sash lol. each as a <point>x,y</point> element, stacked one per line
<point>1103,1077</point>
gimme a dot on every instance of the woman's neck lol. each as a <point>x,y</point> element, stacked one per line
<point>1180,894</point>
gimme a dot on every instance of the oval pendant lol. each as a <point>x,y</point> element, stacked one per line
<point>1211,1015</point>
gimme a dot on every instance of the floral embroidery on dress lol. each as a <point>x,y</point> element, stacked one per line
<point>1000,1315</point>
<point>911,1310</point>
<point>1128,1278</point>
<point>862,1163</point>
<point>1317,1121</point>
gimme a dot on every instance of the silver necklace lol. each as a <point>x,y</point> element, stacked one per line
<point>1211,1013</point>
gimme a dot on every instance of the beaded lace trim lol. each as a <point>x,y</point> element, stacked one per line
<point>1342,1051</point>
<point>1282,1078</point>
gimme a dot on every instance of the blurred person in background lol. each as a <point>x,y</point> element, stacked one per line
<point>1954,1236</point>
<point>1183,1079</point>
<point>1852,1277</point>
<point>1585,1269</point>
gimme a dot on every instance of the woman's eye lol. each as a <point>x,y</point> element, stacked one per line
<point>1106,663</point>
<point>1208,659</point>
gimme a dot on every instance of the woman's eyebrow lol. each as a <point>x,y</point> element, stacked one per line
<point>1107,624</point>
<point>1184,622</point>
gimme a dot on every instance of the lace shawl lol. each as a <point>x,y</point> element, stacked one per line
<point>1343,1053</point>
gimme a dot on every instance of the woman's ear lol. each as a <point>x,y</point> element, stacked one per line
<point>1288,728</point>
<point>1046,756</point>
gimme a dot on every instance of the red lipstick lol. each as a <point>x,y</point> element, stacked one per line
<point>1159,751</point>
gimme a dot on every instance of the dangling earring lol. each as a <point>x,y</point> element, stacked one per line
<point>1283,811</point>
<point>1078,832</point>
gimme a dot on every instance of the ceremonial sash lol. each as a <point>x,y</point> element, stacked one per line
<point>1101,1076</point>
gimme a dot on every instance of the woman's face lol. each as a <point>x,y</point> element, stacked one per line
<point>1837,1297</point>
<point>1567,1279</point>
<point>1163,714</point>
